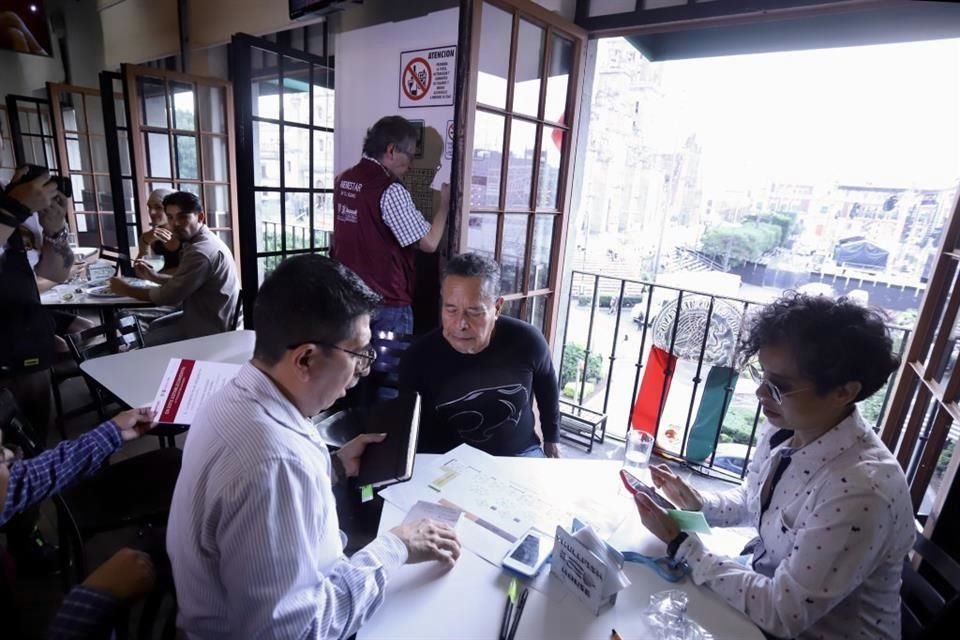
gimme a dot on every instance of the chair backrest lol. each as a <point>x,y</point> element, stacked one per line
<point>125,334</point>
<point>112,254</point>
<point>926,592</point>
<point>237,318</point>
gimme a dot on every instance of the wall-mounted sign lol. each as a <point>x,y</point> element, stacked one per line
<point>427,77</point>
<point>448,141</point>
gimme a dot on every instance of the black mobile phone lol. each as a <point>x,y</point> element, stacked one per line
<point>34,171</point>
<point>634,485</point>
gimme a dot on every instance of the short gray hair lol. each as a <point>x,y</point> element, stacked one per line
<point>159,195</point>
<point>475,265</point>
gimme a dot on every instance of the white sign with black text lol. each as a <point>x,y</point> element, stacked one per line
<point>428,77</point>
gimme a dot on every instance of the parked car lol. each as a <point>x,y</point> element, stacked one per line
<point>731,457</point>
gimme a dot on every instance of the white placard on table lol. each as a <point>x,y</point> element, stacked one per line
<point>186,386</point>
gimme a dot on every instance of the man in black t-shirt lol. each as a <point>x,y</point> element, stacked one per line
<point>479,373</point>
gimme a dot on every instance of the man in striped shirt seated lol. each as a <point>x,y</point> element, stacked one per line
<point>253,536</point>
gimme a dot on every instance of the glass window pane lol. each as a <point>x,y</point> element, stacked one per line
<point>158,155</point>
<point>213,116</point>
<point>512,253</point>
<point>88,230</point>
<point>487,154</point>
<point>322,100</point>
<point>297,228</point>
<point>153,103</point>
<point>184,107</point>
<point>226,235</point>
<point>268,221</point>
<point>77,154</point>
<point>124,144</point>
<point>120,106</point>
<point>296,91</point>
<point>29,120</point>
<point>296,156</point>
<point>187,160</point>
<point>482,233</point>
<point>322,217</point>
<point>526,82</point>
<point>558,78</point>
<point>128,201</point>
<point>266,83</point>
<point>99,151</point>
<point>266,154</point>
<point>548,189</point>
<point>536,311</point>
<point>108,230</point>
<point>84,194</point>
<point>215,158</point>
<point>73,117</point>
<point>94,111</point>
<point>322,160</point>
<point>51,154</point>
<point>496,27</point>
<point>216,203</point>
<point>104,194</point>
<point>520,166</point>
<point>265,266</point>
<point>511,308</point>
<point>539,275</point>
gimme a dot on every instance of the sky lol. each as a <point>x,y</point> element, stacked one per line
<point>887,115</point>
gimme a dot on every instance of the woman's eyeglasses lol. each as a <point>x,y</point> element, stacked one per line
<point>756,373</point>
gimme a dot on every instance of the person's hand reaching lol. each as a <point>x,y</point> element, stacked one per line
<point>429,540</point>
<point>134,423</point>
<point>678,491</point>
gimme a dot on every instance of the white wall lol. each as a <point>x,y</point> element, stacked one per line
<point>368,80</point>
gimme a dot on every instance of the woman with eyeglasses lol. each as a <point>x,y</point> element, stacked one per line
<point>828,500</point>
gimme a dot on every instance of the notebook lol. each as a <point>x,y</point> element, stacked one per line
<point>391,461</point>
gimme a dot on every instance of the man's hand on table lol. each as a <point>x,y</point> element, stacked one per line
<point>429,540</point>
<point>134,423</point>
<point>144,270</point>
<point>349,454</point>
<point>551,449</point>
<point>127,575</point>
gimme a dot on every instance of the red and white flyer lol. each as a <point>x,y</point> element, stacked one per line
<point>187,385</point>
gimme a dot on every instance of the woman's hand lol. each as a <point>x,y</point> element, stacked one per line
<point>656,519</point>
<point>678,491</point>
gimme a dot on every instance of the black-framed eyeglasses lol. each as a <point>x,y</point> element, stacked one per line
<point>364,358</point>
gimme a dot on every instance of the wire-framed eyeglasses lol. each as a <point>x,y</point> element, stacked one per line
<point>364,358</point>
<point>756,373</point>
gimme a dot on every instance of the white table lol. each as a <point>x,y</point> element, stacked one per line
<point>423,602</point>
<point>135,376</point>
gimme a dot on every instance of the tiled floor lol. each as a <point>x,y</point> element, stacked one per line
<point>40,595</point>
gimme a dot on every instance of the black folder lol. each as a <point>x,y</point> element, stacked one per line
<point>391,461</point>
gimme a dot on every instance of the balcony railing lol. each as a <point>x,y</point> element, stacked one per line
<point>297,237</point>
<point>611,325</point>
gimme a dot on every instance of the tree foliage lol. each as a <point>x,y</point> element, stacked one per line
<point>573,357</point>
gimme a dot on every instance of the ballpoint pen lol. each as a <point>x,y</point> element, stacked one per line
<point>516,617</point>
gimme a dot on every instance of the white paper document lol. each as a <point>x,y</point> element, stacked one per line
<point>187,385</point>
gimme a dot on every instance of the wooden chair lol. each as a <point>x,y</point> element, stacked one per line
<point>930,604</point>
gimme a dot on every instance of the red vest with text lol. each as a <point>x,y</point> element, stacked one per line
<point>363,242</point>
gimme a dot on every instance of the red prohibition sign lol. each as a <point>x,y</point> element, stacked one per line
<point>416,83</point>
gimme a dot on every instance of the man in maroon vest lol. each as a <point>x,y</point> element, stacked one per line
<point>377,228</point>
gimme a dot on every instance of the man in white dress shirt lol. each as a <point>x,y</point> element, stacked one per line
<point>829,501</point>
<point>253,535</point>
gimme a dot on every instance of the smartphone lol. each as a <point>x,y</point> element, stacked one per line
<point>634,485</point>
<point>528,554</point>
<point>34,171</point>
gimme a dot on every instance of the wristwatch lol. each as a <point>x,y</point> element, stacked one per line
<point>56,237</point>
<point>674,545</point>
